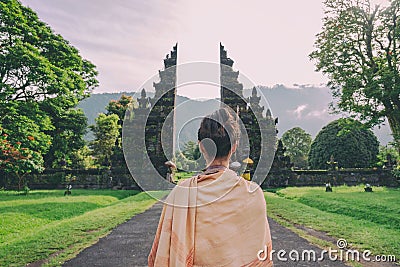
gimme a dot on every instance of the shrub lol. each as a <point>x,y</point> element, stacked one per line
<point>347,142</point>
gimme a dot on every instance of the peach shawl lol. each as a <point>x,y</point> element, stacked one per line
<point>217,219</point>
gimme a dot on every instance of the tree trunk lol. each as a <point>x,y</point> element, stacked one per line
<point>19,181</point>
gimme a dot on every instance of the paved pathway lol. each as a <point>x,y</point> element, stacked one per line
<point>129,244</point>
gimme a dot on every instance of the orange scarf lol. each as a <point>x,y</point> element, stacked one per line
<point>217,219</point>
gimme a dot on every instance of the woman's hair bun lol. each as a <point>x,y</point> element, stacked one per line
<point>222,128</point>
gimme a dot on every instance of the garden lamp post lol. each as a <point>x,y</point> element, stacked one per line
<point>368,188</point>
<point>249,162</point>
<point>328,187</point>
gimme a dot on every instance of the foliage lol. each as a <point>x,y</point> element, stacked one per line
<point>119,108</point>
<point>70,127</point>
<point>26,190</point>
<point>42,78</point>
<point>37,63</point>
<point>189,158</point>
<point>183,163</point>
<point>386,154</point>
<point>191,150</point>
<point>297,143</point>
<point>106,132</point>
<point>82,158</point>
<point>17,159</point>
<point>25,122</point>
<point>396,172</point>
<point>348,142</point>
<point>358,50</point>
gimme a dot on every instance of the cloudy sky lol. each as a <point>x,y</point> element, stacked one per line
<point>127,39</point>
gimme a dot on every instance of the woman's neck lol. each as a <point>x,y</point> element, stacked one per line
<point>219,162</point>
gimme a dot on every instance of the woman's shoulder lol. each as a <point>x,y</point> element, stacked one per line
<point>252,187</point>
<point>187,182</point>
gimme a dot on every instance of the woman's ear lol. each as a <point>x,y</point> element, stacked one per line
<point>234,147</point>
<point>203,151</point>
<point>201,147</point>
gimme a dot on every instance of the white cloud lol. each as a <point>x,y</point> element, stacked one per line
<point>299,110</point>
<point>318,113</point>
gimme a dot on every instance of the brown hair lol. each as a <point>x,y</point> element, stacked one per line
<point>222,128</point>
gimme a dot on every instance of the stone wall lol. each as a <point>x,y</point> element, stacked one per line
<point>87,179</point>
<point>121,179</point>
<point>321,177</point>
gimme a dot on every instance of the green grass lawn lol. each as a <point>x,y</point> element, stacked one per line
<point>366,220</point>
<point>47,225</point>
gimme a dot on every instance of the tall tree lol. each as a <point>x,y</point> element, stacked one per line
<point>41,77</point>
<point>106,132</point>
<point>297,143</point>
<point>36,63</point>
<point>119,108</point>
<point>69,128</point>
<point>358,49</point>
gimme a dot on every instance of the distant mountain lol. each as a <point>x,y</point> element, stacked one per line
<point>303,106</point>
<point>307,107</point>
<point>96,104</point>
<point>187,111</point>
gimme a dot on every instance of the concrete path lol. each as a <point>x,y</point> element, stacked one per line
<point>129,244</point>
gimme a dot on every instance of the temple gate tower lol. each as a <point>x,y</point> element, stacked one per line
<point>159,112</point>
<point>248,109</point>
<point>155,117</point>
